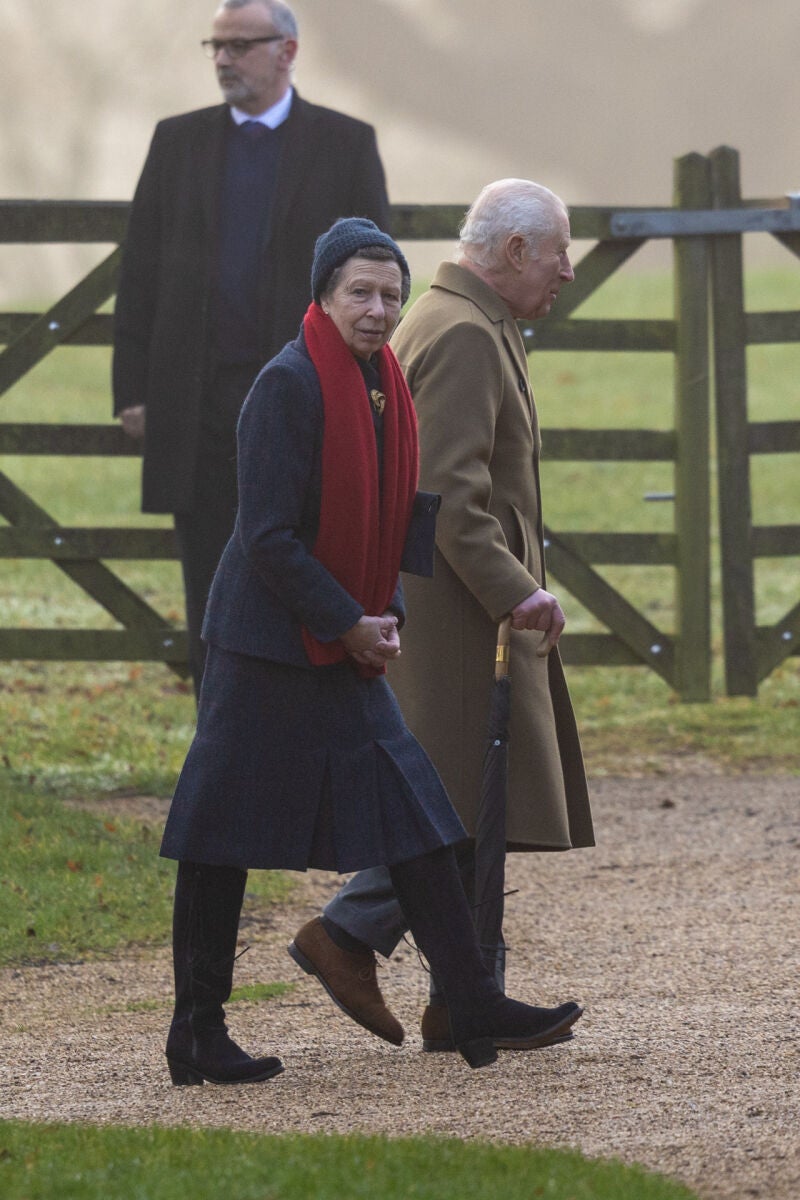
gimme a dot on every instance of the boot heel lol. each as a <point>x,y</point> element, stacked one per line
<point>183,1076</point>
<point>479,1052</point>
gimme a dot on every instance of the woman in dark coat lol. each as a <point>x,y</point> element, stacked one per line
<point>301,757</point>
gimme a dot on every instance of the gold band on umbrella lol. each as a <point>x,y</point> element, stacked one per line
<point>503,652</point>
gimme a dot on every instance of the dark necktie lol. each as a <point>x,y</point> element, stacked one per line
<point>255,130</point>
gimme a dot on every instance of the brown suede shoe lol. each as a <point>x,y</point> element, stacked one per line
<point>436,1033</point>
<point>349,979</point>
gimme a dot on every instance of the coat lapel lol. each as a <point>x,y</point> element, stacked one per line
<point>296,163</point>
<point>515,346</point>
<point>210,144</point>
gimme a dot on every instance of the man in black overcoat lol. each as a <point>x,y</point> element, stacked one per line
<point>216,267</point>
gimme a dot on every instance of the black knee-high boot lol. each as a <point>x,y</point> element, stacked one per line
<point>494,956</point>
<point>481,1016</point>
<point>205,926</point>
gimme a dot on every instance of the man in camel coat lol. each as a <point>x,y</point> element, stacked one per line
<point>465,362</point>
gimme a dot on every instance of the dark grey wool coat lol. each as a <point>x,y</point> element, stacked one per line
<point>294,766</point>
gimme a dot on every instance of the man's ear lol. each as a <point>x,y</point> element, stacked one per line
<point>516,249</point>
<point>288,52</point>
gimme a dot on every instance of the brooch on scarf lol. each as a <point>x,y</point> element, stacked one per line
<point>378,400</point>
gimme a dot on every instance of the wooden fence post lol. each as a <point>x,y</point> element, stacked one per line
<point>692,189</point>
<point>733,461</point>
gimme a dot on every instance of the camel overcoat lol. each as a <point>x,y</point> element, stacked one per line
<point>465,362</point>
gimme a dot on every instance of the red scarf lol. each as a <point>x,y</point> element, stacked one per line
<point>362,527</point>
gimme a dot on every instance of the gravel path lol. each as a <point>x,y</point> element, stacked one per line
<point>678,933</point>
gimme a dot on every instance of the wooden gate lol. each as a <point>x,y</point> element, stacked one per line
<point>705,225</point>
<point>752,651</point>
<point>32,532</point>
<point>682,658</point>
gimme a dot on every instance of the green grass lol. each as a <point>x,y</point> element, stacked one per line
<point>630,723</point>
<point>76,729</point>
<point>249,993</point>
<point>77,884</point>
<point>70,1162</point>
<point>74,883</point>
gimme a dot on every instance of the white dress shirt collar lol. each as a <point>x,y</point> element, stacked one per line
<point>273,117</point>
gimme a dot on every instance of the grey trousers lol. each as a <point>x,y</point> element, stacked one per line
<point>367,908</point>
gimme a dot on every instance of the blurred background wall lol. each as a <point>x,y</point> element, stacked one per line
<point>592,97</point>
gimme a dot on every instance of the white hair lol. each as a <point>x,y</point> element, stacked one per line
<point>281,15</point>
<point>504,208</point>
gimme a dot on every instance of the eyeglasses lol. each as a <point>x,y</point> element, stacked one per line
<point>235,47</point>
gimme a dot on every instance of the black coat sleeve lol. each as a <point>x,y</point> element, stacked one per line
<point>279,439</point>
<point>135,307</point>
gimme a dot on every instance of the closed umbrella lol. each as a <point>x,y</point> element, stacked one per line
<point>490,828</point>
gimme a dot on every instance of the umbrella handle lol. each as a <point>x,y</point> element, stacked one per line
<point>503,654</point>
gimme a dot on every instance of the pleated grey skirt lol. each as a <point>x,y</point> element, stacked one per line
<point>294,768</point>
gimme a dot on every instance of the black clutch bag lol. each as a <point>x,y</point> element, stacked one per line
<point>421,537</point>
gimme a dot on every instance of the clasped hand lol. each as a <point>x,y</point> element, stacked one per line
<point>372,641</point>
<point>540,611</point>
